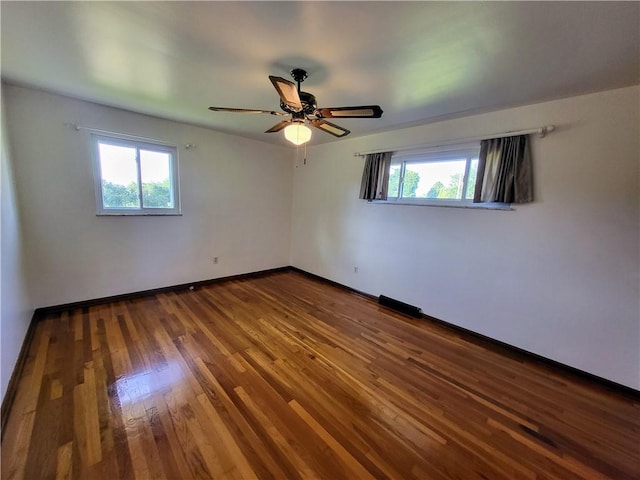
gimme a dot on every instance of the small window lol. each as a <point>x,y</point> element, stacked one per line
<point>135,178</point>
<point>441,177</point>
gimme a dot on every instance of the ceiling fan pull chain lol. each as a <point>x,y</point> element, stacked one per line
<point>304,159</point>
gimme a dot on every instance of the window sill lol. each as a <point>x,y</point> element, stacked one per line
<point>137,214</point>
<point>475,206</point>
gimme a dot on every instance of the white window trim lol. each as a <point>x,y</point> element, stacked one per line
<point>130,141</point>
<point>437,154</point>
<point>447,204</point>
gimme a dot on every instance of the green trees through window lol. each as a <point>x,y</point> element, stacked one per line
<point>155,195</point>
<point>434,177</point>
<point>411,181</point>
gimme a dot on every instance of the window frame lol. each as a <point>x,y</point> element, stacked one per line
<point>138,144</point>
<point>470,151</point>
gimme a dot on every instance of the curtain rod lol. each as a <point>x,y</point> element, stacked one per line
<point>77,128</point>
<point>541,131</point>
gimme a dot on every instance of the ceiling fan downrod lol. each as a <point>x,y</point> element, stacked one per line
<point>299,75</point>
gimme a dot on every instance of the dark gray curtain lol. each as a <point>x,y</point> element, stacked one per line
<point>505,172</point>
<point>375,177</point>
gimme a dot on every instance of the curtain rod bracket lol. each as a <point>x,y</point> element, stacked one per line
<point>542,132</point>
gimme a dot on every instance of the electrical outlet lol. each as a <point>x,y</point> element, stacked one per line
<point>355,269</point>
<point>215,259</point>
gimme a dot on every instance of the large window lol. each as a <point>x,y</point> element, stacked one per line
<point>440,177</point>
<point>135,178</point>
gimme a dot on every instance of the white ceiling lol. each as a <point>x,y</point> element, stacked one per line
<point>420,61</point>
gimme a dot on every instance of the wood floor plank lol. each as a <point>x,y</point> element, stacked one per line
<point>272,434</point>
<point>257,452</point>
<point>281,377</point>
<point>64,461</point>
<point>357,470</point>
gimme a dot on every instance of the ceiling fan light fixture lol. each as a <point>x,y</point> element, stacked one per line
<point>297,133</point>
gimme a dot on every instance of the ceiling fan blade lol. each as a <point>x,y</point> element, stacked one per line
<point>331,128</point>
<point>288,92</point>
<point>365,111</point>
<point>279,126</point>
<point>245,110</point>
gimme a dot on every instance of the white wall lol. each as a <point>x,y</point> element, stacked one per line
<point>15,306</point>
<point>236,203</point>
<point>559,277</point>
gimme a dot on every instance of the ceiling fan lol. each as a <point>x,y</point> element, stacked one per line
<point>303,109</point>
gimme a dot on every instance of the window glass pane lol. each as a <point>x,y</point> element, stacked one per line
<point>434,179</point>
<point>119,176</point>
<point>471,181</point>
<point>155,171</point>
<point>394,181</point>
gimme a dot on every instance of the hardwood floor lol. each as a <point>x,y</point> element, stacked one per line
<point>286,377</point>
